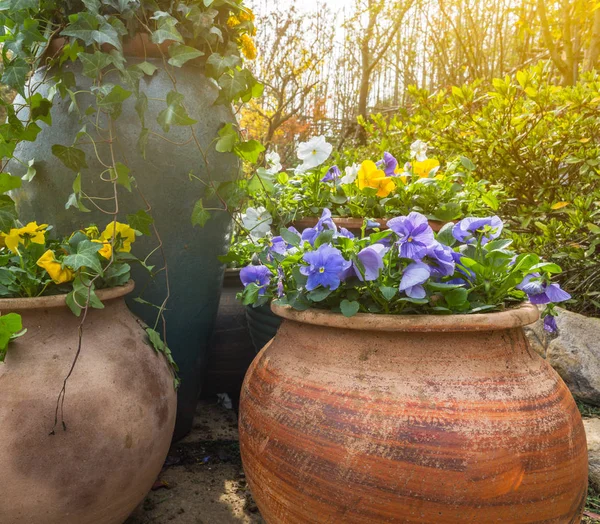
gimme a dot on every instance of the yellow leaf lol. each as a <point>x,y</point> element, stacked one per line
<point>560,205</point>
<point>585,140</point>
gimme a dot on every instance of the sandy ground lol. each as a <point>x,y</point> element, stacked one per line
<point>203,481</point>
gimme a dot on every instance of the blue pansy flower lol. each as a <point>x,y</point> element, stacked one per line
<point>470,229</point>
<point>326,267</point>
<point>413,278</point>
<point>415,236</point>
<point>333,175</point>
<point>389,164</point>
<point>541,292</point>
<point>259,275</point>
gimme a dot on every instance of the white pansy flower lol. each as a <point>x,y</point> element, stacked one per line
<point>313,153</point>
<point>351,174</point>
<point>418,150</point>
<point>273,162</point>
<point>257,222</point>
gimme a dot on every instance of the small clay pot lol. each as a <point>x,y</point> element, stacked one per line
<point>354,225</point>
<point>420,419</point>
<point>119,410</point>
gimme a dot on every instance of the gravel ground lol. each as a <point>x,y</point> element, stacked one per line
<point>203,481</point>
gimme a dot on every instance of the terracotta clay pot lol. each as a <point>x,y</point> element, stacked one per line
<point>424,419</point>
<point>119,412</point>
<point>354,224</point>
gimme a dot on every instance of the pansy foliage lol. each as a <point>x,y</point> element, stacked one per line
<point>466,268</point>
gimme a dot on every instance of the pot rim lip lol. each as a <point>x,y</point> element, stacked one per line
<point>56,301</point>
<point>523,315</point>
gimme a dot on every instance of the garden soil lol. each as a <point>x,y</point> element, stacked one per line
<point>203,481</point>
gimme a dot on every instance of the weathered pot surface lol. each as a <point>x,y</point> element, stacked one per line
<point>406,419</point>
<point>119,412</point>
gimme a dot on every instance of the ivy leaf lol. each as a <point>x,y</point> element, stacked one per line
<point>15,74</point>
<point>143,141</point>
<point>175,114</point>
<point>147,68</point>
<point>217,64</point>
<point>113,101</point>
<point>71,157</point>
<point>228,139</point>
<point>167,29</point>
<point>232,86</point>
<point>87,27</point>
<point>86,256</point>
<point>8,182</point>
<point>180,54</point>
<point>93,64</point>
<point>78,298</point>
<point>122,175</point>
<point>31,171</point>
<point>249,151</point>
<point>349,309</point>
<point>200,216</point>
<point>141,221</point>
<point>8,213</point>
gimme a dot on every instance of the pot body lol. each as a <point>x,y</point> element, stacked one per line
<point>263,325</point>
<point>368,426</point>
<point>231,351</point>
<point>119,412</point>
<point>191,252</point>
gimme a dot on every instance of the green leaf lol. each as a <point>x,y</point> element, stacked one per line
<point>8,182</point>
<point>10,325</point>
<point>445,235</point>
<point>232,86</point>
<point>88,28</point>
<point>249,151</point>
<point>349,309</point>
<point>467,163</point>
<point>141,221</point>
<point>15,74</point>
<point>167,30</point>
<point>324,238</point>
<point>71,157</point>
<point>175,114</point>
<point>122,172</point>
<point>93,64</point>
<point>180,54</point>
<point>217,64</point>
<point>8,213</point>
<point>113,101</point>
<point>491,201</point>
<point>229,137</point>
<point>31,171</point>
<point>86,256</point>
<point>388,292</point>
<point>148,68</point>
<point>200,216</point>
<point>456,297</point>
<point>290,237</point>
<point>318,295</point>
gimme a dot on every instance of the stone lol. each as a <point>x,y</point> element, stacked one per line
<point>592,431</point>
<point>574,352</point>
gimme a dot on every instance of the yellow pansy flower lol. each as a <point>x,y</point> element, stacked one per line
<point>57,272</point>
<point>92,232</point>
<point>248,47</point>
<point>115,229</point>
<point>31,232</point>
<point>247,15</point>
<point>422,169</point>
<point>370,176</point>
<point>233,21</point>
<point>106,250</point>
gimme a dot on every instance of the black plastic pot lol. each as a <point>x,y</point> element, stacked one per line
<point>263,325</point>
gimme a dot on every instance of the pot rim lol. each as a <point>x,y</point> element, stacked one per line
<point>524,315</point>
<point>56,301</point>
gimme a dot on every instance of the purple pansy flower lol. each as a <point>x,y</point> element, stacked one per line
<point>550,324</point>
<point>389,164</point>
<point>345,233</point>
<point>372,224</point>
<point>259,275</point>
<point>413,278</point>
<point>415,235</point>
<point>325,222</point>
<point>469,229</point>
<point>442,259</point>
<point>278,245</point>
<point>372,260</point>
<point>326,267</point>
<point>540,292</point>
<point>333,175</point>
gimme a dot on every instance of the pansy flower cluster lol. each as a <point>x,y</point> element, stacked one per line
<point>408,269</point>
<point>32,264</point>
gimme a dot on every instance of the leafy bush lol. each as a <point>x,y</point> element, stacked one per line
<point>540,141</point>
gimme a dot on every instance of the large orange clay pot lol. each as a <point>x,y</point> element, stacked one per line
<point>119,412</point>
<point>410,419</point>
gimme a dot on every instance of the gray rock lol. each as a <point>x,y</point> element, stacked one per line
<point>574,353</point>
<point>592,432</point>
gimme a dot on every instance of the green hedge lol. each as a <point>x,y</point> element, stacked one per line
<point>540,140</point>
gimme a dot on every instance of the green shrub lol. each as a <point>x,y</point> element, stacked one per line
<point>540,141</point>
